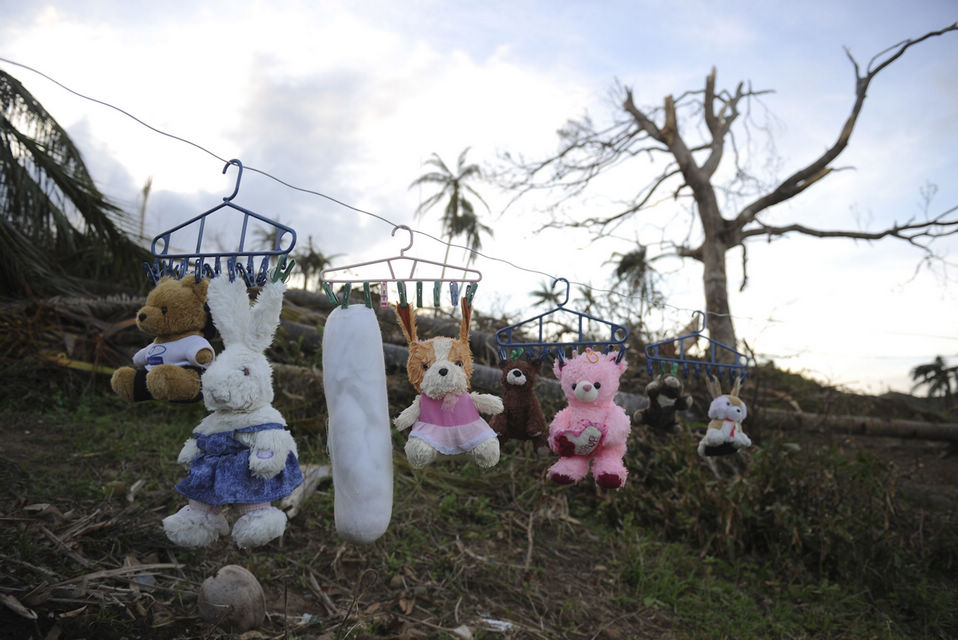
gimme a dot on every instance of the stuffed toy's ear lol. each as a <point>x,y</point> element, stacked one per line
<point>264,316</point>
<point>465,321</point>
<point>714,386</point>
<point>621,365</point>
<point>229,307</point>
<point>199,288</point>
<point>736,387</point>
<point>407,322</point>
<point>557,365</point>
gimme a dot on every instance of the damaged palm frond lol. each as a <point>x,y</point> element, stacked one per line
<point>56,228</point>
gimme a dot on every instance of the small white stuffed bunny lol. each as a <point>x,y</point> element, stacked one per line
<point>727,412</point>
<point>240,455</point>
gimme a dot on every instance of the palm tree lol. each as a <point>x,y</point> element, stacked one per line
<point>547,295</point>
<point>634,272</point>
<point>57,231</point>
<point>937,375</point>
<point>311,262</point>
<point>459,216</point>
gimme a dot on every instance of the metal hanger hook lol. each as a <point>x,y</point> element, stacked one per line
<point>566,290</point>
<point>239,176</point>
<point>408,246</point>
<point>704,317</point>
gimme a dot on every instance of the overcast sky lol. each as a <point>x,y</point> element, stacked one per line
<point>350,98</point>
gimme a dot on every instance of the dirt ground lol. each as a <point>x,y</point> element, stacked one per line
<point>103,568</point>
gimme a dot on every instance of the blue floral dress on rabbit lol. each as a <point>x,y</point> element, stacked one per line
<point>220,474</point>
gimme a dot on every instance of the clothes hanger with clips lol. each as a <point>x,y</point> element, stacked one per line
<point>167,263</point>
<point>670,362</point>
<point>401,269</point>
<point>618,334</point>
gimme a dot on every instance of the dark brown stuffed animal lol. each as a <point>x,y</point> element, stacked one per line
<point>522,418</point>
<point>169,368</point>
<point>665,399</point>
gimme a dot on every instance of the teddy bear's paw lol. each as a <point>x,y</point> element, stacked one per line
<point>561,478</point>
<point>568,470</point>
<point>172,383</point>
<point>609,480</point>
<point>122,382</point>
<point>190,527</point>
<point>486,454</point>
<point>419,453</point>
<point>569,443</point>
<point>741,441</point>
<point>258,527</point>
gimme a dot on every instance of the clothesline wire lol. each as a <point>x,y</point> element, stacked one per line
<point>346,205</point>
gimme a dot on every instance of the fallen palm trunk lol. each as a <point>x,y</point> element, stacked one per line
<point>857,425</point>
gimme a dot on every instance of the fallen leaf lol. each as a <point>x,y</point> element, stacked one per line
<point>14,605</point>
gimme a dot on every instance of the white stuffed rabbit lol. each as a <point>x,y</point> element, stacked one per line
<point>240,455</point>
<point>725,434</point>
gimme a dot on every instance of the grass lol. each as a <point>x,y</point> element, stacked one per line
<point>789,543</point>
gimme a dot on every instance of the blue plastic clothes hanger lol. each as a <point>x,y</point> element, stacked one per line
<point>618,334</point>
<point>178,264</point>
<point>682,362</point>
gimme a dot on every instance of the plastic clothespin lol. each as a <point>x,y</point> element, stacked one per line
<point>329,294</point>
<point>419,293</point>
<point>402,294</point>
<point>346,289</point>
<point>436,291</point>
<point>471,291</point>
<point>367,295</point>
<point>383,295</point>
<point>283,270</point>
<point>454,293</point>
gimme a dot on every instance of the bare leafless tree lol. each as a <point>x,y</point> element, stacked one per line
<point>686,162</point>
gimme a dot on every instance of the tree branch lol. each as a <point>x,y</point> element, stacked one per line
<point>914,233</point>
<point>818,168</point>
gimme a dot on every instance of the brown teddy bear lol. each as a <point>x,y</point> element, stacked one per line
<point>169,368</point>
<point>522,418</point>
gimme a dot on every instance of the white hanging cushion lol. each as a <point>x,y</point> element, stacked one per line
<point>360,447</point>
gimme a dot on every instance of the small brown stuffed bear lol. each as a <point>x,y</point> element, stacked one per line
<point>522,418</point>
<point>666,398</point>
<point>169,368</point>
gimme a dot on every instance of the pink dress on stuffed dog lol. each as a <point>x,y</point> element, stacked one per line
<point>451,425</point>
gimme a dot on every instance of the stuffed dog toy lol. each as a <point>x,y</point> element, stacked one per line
<point>445,415</point>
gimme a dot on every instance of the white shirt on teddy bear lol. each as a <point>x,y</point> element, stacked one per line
<point>180,352</point>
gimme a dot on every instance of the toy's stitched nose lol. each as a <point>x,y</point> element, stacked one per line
<point>141,317</point>
<point>443,371</point>
<point>587,387</point>
<point>516,373</point>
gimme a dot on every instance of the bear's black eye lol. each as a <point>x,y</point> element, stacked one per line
<point>425,365</point>
<point>245,371</point>
<point>163,310</point>
<point>573,386</point>
<point>597,385</point>
<point>458,363</point>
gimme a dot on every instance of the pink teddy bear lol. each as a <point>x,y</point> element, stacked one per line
<point>592,427</point>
